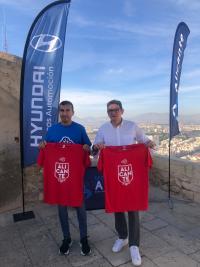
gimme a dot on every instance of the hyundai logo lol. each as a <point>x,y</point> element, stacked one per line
<point>174,110</point>
<point>46,43</point>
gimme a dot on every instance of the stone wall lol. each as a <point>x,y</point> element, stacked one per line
<point>185,176</point>
<point>10,179</point>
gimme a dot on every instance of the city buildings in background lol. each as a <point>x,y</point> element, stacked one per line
<point>186,145</point>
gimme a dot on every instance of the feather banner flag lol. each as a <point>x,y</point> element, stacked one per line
<point>180,41</point>
<point>41,77</point>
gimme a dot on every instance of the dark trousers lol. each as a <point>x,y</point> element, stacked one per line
<point>64,221</point>
<point>133,229</point>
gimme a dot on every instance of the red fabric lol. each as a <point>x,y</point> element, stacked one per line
<point>125,171</point>
<point>64,167</point>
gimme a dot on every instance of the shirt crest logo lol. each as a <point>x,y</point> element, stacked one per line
<point>61,171</point>
<point>125,172</point>
<point>66,140</point>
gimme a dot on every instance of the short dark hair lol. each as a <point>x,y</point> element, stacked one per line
<point>66,102</point>
<point>114,101</point>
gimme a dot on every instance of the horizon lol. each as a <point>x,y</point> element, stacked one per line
<point>118,50</point>
<point>138,115</point>
<point>145,118</point>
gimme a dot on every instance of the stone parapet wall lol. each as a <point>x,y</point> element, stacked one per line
<point>33,184</point>
<point>185,176</point>
<point>10,177</point>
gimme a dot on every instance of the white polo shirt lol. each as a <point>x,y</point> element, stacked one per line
<point>126,133</point>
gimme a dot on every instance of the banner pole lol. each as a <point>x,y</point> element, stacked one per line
<point>170,202</point>
<point>24,215</point>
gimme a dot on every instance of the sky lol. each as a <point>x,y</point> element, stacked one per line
<point>118,49</point>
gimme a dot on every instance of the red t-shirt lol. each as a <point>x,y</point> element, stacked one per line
<point>125,171</point>
<point>64,168</point>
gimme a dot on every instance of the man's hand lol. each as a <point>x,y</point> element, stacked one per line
<point>86,148</point>
<point>151,144</point>
<point>42,144</point>
<point>98,147</point>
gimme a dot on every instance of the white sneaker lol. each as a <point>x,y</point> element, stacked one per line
<point>119,244</point>
<point>135,255</point>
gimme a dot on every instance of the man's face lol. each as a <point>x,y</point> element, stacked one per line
<point>115,112</point>
<point>66,113</point>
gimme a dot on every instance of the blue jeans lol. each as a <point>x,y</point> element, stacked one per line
<point>64,221</point>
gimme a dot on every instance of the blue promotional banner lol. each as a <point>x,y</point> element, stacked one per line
<point>41,77</point>
<point>94,189</point>
<point>180,41</point>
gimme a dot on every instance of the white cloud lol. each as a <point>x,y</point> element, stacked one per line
<point>192,74</point>
<point>119,26</point>
<point>77,60</point>
<point>84,97</point>
<point>23,5</point>
<point>87,103</point>
<point>128,8</point>
<point>115,71</point>
<point>80,21</point>
<point>145,30</point>
<point>93,102</point>
<point>134,71</point>
<point>190,89</point>
<point>193,4</point>
<point>14,2</point>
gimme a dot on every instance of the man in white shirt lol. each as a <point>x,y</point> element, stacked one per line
<point>119,132</point>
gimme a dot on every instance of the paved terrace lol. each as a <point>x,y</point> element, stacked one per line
<point>169,238</point>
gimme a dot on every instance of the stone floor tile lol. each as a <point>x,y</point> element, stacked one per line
<point>107,218</point>
<point>58,261</point>
<point>25,226</point>
<point>196,256</point>
<point>99,232</point>
<point>92,219</point>
<point>58,236</point>
<point>116,259</point>
<point>10,240</point>
<point>99,263</point>
<point>142,230</point>
<point>153,246</point>
<point>76,259</point>
<point>182,222</point>
<point>44,210</point>
<point>175,259</point>
<point>179,239</point>
<point>154,224</point>
<point>40,246</point>
<point>195,232</point>
<point>7,219</point>
<point>6,233</point>
<point>97,212</point>
<point>52,221</point>
<point>186,208</point>
<point>145,263</point>
<point>29,231</point>
<point>156,207</point>
<point>146,216</point>
<point>15,259</point>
